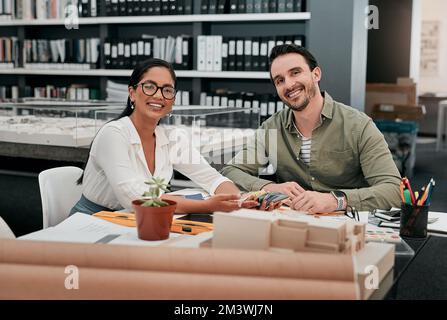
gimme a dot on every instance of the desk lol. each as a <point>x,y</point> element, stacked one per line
<point>423,276</point>
<point>86,228</point>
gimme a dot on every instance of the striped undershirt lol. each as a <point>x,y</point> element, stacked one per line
<point>305,149</point>
<point>305,146</point>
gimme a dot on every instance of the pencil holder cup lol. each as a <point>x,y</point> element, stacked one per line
<point>413,221</point>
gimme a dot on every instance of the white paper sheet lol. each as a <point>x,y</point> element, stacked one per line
<point>84,228</point>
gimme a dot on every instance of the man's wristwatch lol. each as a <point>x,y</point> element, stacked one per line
<point>340,197</point>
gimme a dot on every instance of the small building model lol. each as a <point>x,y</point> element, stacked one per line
<point>251,229</point>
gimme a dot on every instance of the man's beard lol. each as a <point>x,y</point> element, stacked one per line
<point>305,103</point>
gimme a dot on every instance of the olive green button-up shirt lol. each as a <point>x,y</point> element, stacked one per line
<point>348,153</point>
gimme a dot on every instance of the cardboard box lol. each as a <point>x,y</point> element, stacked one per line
<point>389,93</point>
<point>398,111</point>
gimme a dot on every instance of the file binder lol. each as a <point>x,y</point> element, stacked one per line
<point>107,8</point>
<point>257,6</point>
<point>114,55</point>
<point>247,55</point>
<point>164,7</point>
<point>120,59</point>
<point>180,6</point>
<point>157,7</point>
<point>188,6</point>
<point>209,60</point>
<point>271,106</point>
<point>289,6</point>
<point>130,7</point>
<point>281,6</point>
<point>186,53</point>
<point>241,6</point>
<point>239,54</point>
<point>201,53</point>
<point>298,6</point>
<point>137,6</point>
<point>212,6</point>
<point>222,6</point>
<point>84,8</point>
<point>126,60</point>
<point>264,54</point>
<point>264,6</point>
<point>204,6</point>
<point>234,6</point>
<point>273,6</point>
<point>122,7</point>
<point>217,54</point>
<point>133,54</point>
<point>185,98</point>
<point>248,99</point>
<point>231,54</point>
<point>140,50</point>
<point>224,54</point>
<point>255,105</point>
<point>249,6</point>
<point>150,7</point>
<point>148,48</point>
<point>255,54</point>
<point>172,7</point>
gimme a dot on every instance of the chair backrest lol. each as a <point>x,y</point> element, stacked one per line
<point>59,193</point>
<point>5,231</point>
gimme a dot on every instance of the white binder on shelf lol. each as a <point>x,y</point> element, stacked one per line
<point>217,56</point>
<point>201,53</point>
<point>209,53</point>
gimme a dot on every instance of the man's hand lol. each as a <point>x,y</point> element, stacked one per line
<point>291,189</point>
<point>313,202</point>
<point>249,201</point>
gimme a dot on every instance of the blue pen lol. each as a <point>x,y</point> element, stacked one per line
<point>427,202</point>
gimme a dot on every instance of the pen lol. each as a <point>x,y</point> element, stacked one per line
<point>425,195</point>
<point>418,199</point>
<point>407,183</point>
<point>427,201</point>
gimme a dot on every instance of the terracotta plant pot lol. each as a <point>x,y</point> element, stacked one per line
<point>154,223</point>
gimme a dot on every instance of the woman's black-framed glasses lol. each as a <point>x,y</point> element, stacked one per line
<point>150,88</point>
<point>352,213</point>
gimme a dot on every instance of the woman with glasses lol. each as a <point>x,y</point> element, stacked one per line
<point>133,148</point>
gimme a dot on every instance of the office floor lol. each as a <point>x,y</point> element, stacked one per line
<point>20,204</point>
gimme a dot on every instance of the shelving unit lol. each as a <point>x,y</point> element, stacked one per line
<point>289,16</point>
<point>126,73</point>
<point>234,25</point>
<point>334,32</point>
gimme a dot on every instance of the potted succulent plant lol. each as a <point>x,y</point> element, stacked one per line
<point>154,215</point>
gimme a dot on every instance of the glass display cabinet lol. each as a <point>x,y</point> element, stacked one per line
<point>49,121</point>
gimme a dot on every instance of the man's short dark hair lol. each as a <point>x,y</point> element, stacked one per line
<point>293,48</point>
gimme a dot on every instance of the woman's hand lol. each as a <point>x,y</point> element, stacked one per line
<point>227,203</point>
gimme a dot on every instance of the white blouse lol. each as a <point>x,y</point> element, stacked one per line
<point>117,168</point>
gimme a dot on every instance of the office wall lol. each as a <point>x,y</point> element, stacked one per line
<point>435,10</point>
<point>389,47</point>
<point>338,39</point>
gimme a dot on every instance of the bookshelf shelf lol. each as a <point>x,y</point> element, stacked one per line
<point>127,73</point>
<point>289,16</point>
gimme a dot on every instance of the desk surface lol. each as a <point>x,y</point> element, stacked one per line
<point>411,273</point>
<point>422,276</point>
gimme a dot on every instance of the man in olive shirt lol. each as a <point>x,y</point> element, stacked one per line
<point>328,155</point>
